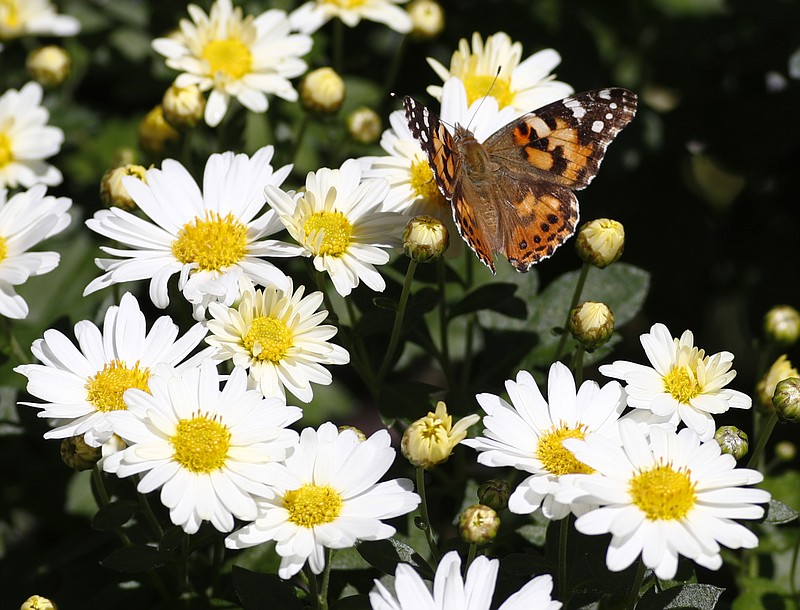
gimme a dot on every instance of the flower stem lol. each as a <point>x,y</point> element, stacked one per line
<point>763,437</point>
<point>313,589</point>
<point>326,578</point>
<point>441,269</point>
<point>575,298</point>
<point>636,586</point>
<point>563,537</point>
<point>298,139</point>
<point>338,45</point>
<point>577,365</point>
<point>470,556</point>
<point>398,322</point>
<point>420,472</point>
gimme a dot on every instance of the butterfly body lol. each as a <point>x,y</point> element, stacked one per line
<point>513,193</point>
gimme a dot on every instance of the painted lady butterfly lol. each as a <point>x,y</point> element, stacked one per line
<point>513,193</point>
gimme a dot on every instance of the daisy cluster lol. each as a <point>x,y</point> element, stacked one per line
<point>206,416</point>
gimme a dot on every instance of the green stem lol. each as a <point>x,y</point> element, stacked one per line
<point>398,322</point>
<point>16,349</point>
<point>326,578</point>
<point>763,437</point>
<point>426,523</point>
<point>313,589</point>
<point>338,45</point>
<point>183,564</point>
<point>441,269</point>
<point>563,538</point>
<point>301,132</point>
<point>575,298</point>
<point>577,365</point>
<point>636,586</point>
<point>470,556</point>
<point>217,557</point>
<point>150,516</point>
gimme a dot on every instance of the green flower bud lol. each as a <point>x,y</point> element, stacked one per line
<point>786,400</point>
<point>781,369</point>
<point>732,441</point>
<point>494,494</point>
<point>76,454</point>
<point>425,239</point>
<point>364,125</point>
<point>782,325</point>
<point>600,242</point>
<point>478,524</point>
<point>591,324</point>
<point>155,133</point>
<point>785,451</point>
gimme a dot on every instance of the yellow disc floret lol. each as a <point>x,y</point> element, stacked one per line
<point>346,4</point>
<point>312,505</point>
<point>6,155</point>
<point>481,85</point>
<point>556,458</point>
<point>201,444</point>
<point>268,339</point>
<point>663,492</point>
<point>423,184</point>
<point>335,232</point>
<point>682,384</point>
<point>229,57</point>
<point>9,14</point>
<point>214,243</point>
<point>104,391</point>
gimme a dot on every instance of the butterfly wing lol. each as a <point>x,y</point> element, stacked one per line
<point>437,144</point>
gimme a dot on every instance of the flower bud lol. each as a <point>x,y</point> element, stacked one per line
<point>37,602</point>
<point>364,125</point>
<point>361,436</point>
<point>431,439</point>
<point>76,454</point>
<point>591,324</point>
<point>782,325</point>
<point>786,400</point>
<point>600,242</point>
<point>183,106</point>
<point>322,90</point>
<point>732,441</point>
<point>49,66</point>
<point>113,192</point>
<point>780,369</point>
<point>427,18</point>
<point>785,451</point>
<point>494,494</point>
<point>425,239</point>
<point>155,133</point>
<point>478,524</point>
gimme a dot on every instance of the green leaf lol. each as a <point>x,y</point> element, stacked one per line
<point>114,515</point>
<point>352,602</point>
<point>700,596</point>
<point>785,488</point>
<point>494,296</point>
<point>259,591</point>
<point>386,554</point>
<point>778,513</point>
<point>348,559</point>
<point>135,559</point>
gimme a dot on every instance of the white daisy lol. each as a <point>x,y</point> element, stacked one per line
<point>667,496</point>
<point>26,139</point>
<point>83,384</point>
<point>212,238</point>
<point>451,590</point>
<point>528,434</point>
<point>234,55</point>
<point>26,219</point>
<point>683,384</point>
<point>21,17</point>
<point>207,448</point>
<point>279,337</point>
<point>311,16</point>
<point>327,495</point>
<point>525,85</point>
<point>339,220</point>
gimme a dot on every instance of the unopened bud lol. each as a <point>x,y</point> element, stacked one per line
<point>785,451</point>
<point>427,18</point>
<point>155,133</point>
<point>76,454</point>
<point>591,324</point>
<point>478,524</point>
<point>780,369</point>
<point>322,90</point>
<point>113,192</point>
<point>786,400</point>
<point>732,441</point>
<point>425,239</point>
<point>37,602</point>
<point>494,494</point>
<point>361,436</point>
<point>430,440</point>
<point>183,106</point>
<point>49,66</point>
<point>782,325</point>
<point>600,242</point>
<point>364,125</point>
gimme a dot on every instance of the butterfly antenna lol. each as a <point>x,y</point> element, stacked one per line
<point>485,95</point>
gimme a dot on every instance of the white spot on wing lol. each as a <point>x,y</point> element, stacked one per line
<point>604,94</point>
<point>597,126</point>
<point>578,111</point>
<point>613,105</point>
<point>609,116</point>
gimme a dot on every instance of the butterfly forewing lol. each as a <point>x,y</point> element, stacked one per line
<point>437,144</point>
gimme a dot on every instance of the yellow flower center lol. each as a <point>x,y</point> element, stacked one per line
<point>231,57</point>
<point>346,3</point>
<point>682,384</point>
<point>3,249</point>
<point>6,154</point>
<point>312,505</point>
<point>335,229</point>
<point>214,243</point>
<point>268,339</point>
<point>557,459</point>
<point>424,185</point>
<point>201,444</point>
<point>9,13</point>
<point>480,85</point>
<point>105,390</point>
<point>663,493</point>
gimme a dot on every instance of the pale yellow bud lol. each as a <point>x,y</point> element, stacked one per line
<point>113,192</point>
<point>600,242</point>
<point>782,325</point>
<point>183,106</point>
<point>322,90</point>
<point>427,18</point>
<point>431,439</point>
<point>49,66</point>
<point>781,369</point>
<point>361,436</point>
<point>591,324</point>
<point>425,239</point>
<point>478,524</point>
<point>785,451</point>
<point>364,125</point>
<point>37,602</point>
<point>155,133</point>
